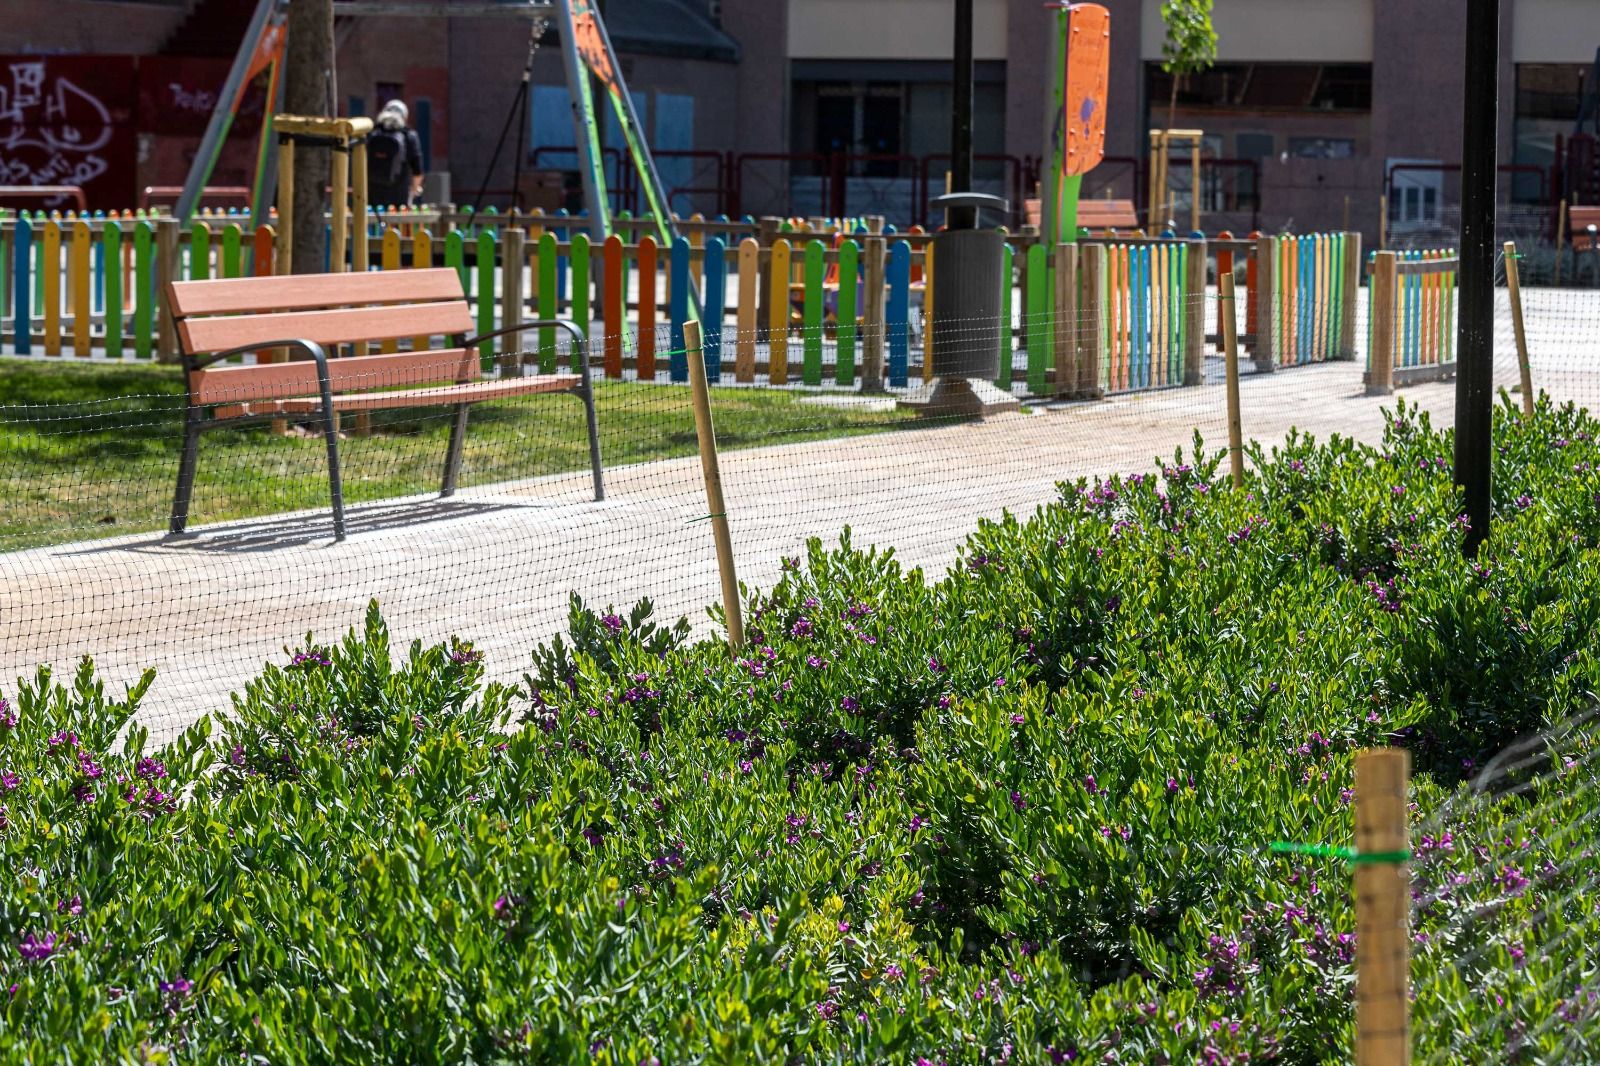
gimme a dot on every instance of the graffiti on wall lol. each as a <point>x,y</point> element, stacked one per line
<point>57,126</point>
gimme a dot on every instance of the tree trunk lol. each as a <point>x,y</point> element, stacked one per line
<point>1172,103</point>
<point>309,90</point>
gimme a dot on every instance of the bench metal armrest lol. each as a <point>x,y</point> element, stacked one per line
<point>311,348</point>
<point>580,341</point>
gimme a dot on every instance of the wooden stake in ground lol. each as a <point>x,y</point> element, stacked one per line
<point>716,509</point>
<point>1380,375</point>
<point>1230,351</point>
<point>1514,287</point>
<point>1383,909</point>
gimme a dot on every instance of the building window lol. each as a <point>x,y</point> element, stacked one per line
<point>1266,86</point>
<point>1322,147</point>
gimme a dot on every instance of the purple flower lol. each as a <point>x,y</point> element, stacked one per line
<point>8,716</point>
<point>815,663</point>
<point>83,794</point>
<point>801,629</point>
<point>1172,784</point>
<point>1090,786</point>
<point>309,659</point>
<point>36,948</point>
<point>1524,502</point>
<point>9,782</point>
<point>1017,801</point>
<point>827,1009</point>
<point>65,737</point>
<point>935,666</point>
<point>850,705</point>
<point>150,769</point>
<point>613,623</point>
<point>464,654</point>
<point>73,906</point>
<point>1017,719</point>
<point>917,822</point>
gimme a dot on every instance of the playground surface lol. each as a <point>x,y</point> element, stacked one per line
<point>498,563</point>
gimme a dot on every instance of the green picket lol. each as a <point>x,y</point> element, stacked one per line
<point>199,252</point>
<point>581,285</point>
<point>111,238</point>
<point>815,268</point>
<point>485,261</point>
<point>455,255</point>
<point>144,291</point>
<point>1036,319</point>
<point>230,251</point>
<point>849,258</point>
<point>548,304</point>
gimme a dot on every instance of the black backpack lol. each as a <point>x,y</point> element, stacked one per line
<point>386,157</point>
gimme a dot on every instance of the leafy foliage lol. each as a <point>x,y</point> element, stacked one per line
<point>1017,814</point>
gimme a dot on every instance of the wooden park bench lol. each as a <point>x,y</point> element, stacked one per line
<point>1585,225</point>
<point>1100,217</point>
<point>311,316</point>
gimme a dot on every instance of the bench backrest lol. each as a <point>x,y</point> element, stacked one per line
<point>330,309</point>
<point>1579,219</point>
<point>1093,214</point>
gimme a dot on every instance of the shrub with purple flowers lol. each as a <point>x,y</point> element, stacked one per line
<point>1012,813</point>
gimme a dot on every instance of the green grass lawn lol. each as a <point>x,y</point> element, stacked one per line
<point>91,450</point>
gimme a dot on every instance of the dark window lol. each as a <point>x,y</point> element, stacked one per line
<point>1267,86</point>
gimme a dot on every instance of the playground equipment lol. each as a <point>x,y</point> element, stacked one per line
<point>346,138</point>
<point>1161,199</point>
<point>586,51</point>
<point>1076,137</point>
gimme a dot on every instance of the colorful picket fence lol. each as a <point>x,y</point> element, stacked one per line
<point>776,302</point>
<point>1411,324</point>
<point>1309,279</point>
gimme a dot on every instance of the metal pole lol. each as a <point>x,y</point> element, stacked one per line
<point>1475,348</point>
<point>961,118</point>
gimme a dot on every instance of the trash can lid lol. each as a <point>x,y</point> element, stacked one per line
<point>979,200</point>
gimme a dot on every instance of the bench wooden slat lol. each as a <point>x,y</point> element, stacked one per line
<point>308,292</point>
<point>326,327</point>
<point>299,377</point>
<point>442,396</point>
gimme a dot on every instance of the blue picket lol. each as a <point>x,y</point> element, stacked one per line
<point>715,297</point>
<point>898,312</point>
<point>678,306</point>
<point>21,275</point>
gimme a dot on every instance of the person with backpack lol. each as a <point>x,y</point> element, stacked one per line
<point>394,159</point>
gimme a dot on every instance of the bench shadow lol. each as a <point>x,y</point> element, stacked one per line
<point>312,529</point>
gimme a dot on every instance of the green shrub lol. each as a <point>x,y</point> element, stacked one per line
<point>1015,814</point>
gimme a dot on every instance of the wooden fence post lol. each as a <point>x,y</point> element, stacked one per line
<point>1383,908</point>
<point>1266,306</point>
<point>873,324</point>
<point>1090,314</point>
<point>1380,375</point>
<point>1194,315</point>
<point>166,271</point>
<point>1064,330</point>
<point>1514,288</point>
<point>1350,290</point>
<point>513,256</point>
<point>716,507</point>
<point>1230,351</point>
<point>767,234</point>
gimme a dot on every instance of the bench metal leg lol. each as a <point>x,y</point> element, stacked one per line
<point>452,455</point>
<point>186,468</point>
<point>587,394</point>
<point>330,428</point>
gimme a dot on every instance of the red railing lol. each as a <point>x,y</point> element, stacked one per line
<point>51,194</point>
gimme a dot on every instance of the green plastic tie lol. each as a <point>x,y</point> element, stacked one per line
<point>707,517</point>
<point>1350,855</point>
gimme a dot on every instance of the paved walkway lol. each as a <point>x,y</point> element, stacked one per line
<point>496,565</point>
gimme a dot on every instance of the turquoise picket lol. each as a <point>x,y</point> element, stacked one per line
<point>97,253</point>
<point>21,275</point>
<point>715,292</point>
<point>678,306</point>
<point>1138,292</point>
<point>486,301</point>
<point>111,239</point>
<point>897,311</point>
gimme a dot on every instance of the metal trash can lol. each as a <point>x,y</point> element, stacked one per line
<point>968,263</point>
